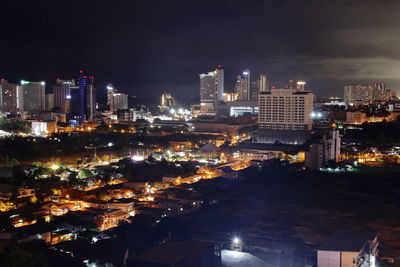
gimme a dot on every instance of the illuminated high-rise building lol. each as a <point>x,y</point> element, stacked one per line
<point>62,94</point>
<point>211,89</point>
<point>284,116</point>
<point>83,99</point>
<point>34,99</point>
<point>116,101</point>
<point>11,100</point>
<point>366,93</point>
<point>243,86</point>
<point>263,83</point>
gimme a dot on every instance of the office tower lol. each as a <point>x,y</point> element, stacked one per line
<point>243,86</point>
<point>211,89</point>
<point>284,116</point>
<point>115,100</point>
<point>11,100</point>
<point>110,95</point>
<point>120,101</point>
<point>62,94</point>
<point>83,99</point>
<point>263,83</point>
<point>33,96</point>
<point>364,94</point>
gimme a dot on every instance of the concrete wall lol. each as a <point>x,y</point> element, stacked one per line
<point>328,259</point>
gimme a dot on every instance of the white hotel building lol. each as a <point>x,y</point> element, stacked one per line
<point>284,116</point>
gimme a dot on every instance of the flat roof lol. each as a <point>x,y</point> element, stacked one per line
<point>344,240</point>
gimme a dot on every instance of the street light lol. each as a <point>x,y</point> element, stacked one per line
<point>237,244</point>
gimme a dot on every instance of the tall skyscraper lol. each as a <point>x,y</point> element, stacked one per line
<point>11,100</point>
<point>284,116</point>
<point>120,101</point>
<point>62,94</point>
<point>243,86</point>
<point>116,101</point>
<point>83,99</point>
<point>110,95</point>
<point>263,83</point>
<point>33,96</point>
<point>211,89</point>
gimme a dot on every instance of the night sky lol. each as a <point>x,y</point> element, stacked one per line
<point>147,47</point>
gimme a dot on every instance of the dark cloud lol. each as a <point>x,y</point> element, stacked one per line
<point>146,47</point>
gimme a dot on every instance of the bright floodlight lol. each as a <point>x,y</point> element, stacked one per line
<point>54,167</point>
<point>245,73</point>
<point>172,111</point>
<point>68,97</point>
<point>137,158</point>
<point>301,82</point>
<point>236,240</point>
<point>109,87</point>
<point>110,144</point>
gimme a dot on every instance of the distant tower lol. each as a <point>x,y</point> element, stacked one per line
<point>62,94</point>
<point>243,86</point>
<point>116,101</point>
<point>83,99</point>
<point>110,94</point>
<point>211,89</point>
<point>263,87</point>
<point>11,97</point>
<point>34,100</point>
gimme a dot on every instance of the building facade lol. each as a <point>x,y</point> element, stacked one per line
<point>322,150</point>
<point>243,86</point>
<point>349,249</point>
<point>62,94</point>
<point>11,100</point>
<point>211,89</point>
<point>83,99</point>
<point>33,94</point>
<point>284,116</point>
<point>116,101</point>
<point>364,94</point>
<point>263,83</point>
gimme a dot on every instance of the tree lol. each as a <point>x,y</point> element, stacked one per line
<point>7,161</point>
<point>85,173</point>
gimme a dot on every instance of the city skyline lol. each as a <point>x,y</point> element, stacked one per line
<point>200,133</point>
<point>147,49</point>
